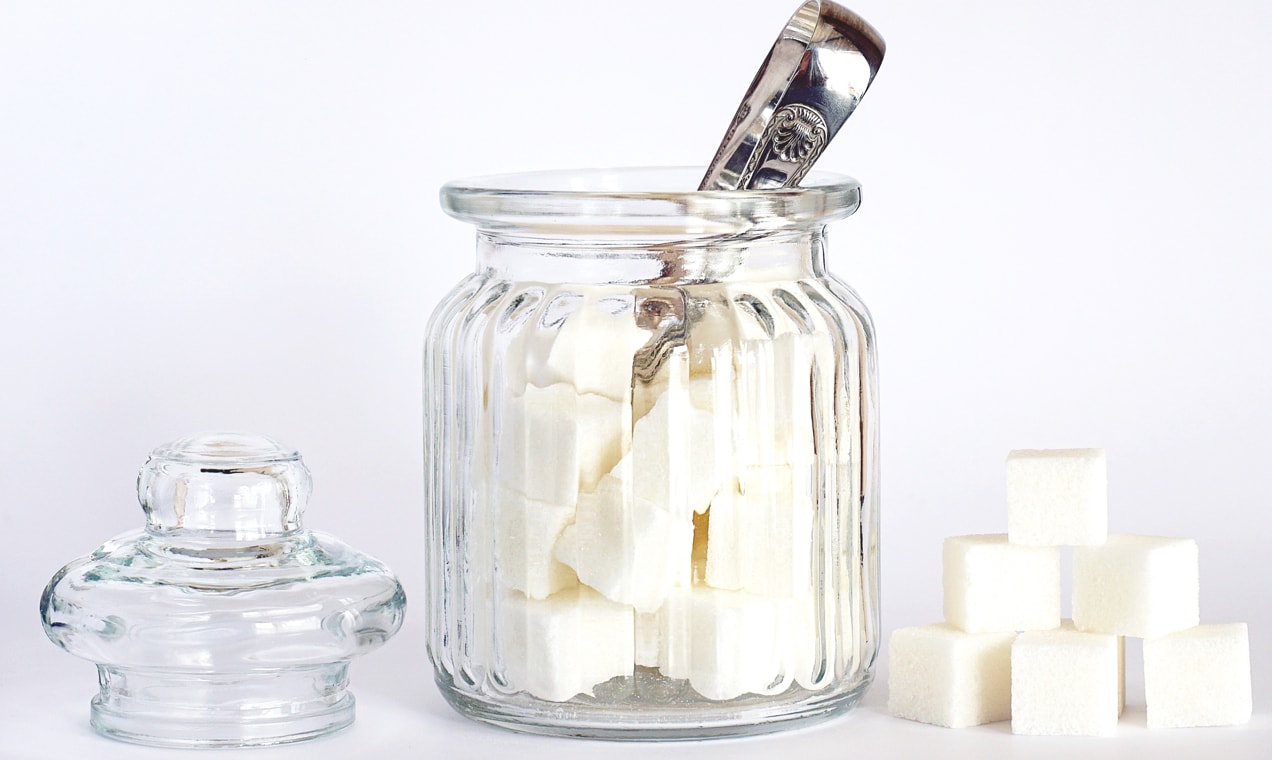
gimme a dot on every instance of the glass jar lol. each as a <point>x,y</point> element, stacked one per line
<point>651,459</point>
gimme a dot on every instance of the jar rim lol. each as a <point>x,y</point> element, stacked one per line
<point>642,200</point>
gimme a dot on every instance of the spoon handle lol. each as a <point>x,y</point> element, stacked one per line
<point>810,83</point>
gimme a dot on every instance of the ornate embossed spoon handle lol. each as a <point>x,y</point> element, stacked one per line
<point>813,78</point>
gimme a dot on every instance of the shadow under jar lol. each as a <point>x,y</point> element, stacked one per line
<point>651,459</point>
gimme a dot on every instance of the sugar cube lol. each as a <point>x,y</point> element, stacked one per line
<point>1067,625</point>
<point>673,454</point>
<point>526,532</point>
<point>648,639</point>
<point>627,548</point>
<point>773,406</point>
<point>1198,677</point>
<point>711,334</point>
<point>554,442</point>
<point>586,341</point>
<point>521,339</point>
<point>992,585</point>
<point>760,535</point>
<point>1064,683</point>
<point>730,643</point>
<point>814,658</point>
<point>1057,497</point>
<point>562,646</point>
<point>1136,586</point>
<point>940,675</point>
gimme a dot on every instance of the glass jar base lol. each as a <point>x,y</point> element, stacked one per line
<point>240,710</point>
<point>746,716</point>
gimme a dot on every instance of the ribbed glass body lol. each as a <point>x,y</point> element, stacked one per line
<point>651,460</point>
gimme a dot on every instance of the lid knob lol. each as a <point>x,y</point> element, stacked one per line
<point>233,485</point>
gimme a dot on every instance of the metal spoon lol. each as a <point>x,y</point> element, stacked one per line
<point>813,78</point>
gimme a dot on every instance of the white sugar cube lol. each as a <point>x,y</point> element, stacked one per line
<point>675,650</point>
<point>709,341</point>
<point>992,585</point>
<point>526,532</point>
<point>562,646</point>
<point>784,648</point>
<point>811,656</point>
<point>1057,497</point>
<point>940,675</point>
<point>1136,586</point>
<point>730,643</point>
<point>1067,625</point>
<point>773,409</point>
<point>627,548</point>
<point>1198,677</point>
<point>760,539</point>
<point>673,453</point>
<point>648,639</point>
<point>1064,683</point>
<point>587,341</point>
<point>554,442</point>
<point>520,342</point>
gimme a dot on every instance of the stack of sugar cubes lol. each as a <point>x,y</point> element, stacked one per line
<point>1004,652</point>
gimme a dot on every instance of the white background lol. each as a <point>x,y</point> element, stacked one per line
<point>224,216</point>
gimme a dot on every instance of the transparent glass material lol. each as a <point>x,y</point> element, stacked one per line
<point>224,622</point>
<point>651,459</point>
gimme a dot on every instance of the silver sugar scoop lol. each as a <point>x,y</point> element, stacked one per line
<point>812,80</point>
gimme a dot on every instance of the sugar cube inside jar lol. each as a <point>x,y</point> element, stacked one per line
<point>651,459</point>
